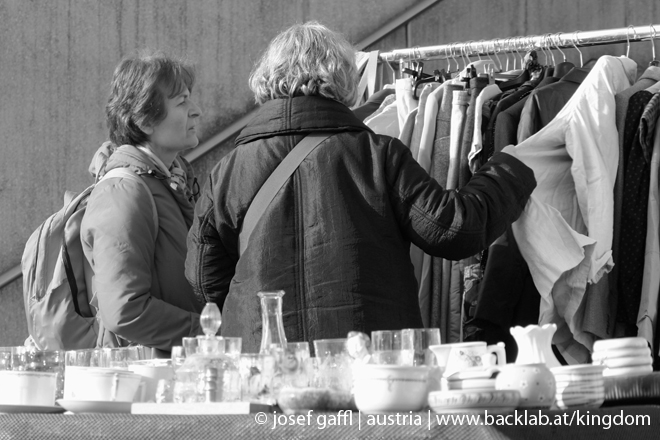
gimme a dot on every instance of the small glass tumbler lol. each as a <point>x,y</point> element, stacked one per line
<point>190,345</point>
<point>257,372</point>
<point>90,357</point>
<point>415,344</point>
<point>334,365</point>
<point>5,358</point>
<point>291,364</point>
<point>178,356</point>
<point>232,347</point>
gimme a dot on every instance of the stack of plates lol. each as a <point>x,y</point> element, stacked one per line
<point>623,357</point>
<point>579,386</point>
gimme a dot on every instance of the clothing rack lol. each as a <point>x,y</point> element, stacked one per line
<point>549,41</point>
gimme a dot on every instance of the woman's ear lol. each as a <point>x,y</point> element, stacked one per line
<point>147,129</point>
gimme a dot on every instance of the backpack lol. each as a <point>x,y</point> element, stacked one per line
<point>56,275</point>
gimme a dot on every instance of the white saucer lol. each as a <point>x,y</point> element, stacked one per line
<point>609,344</point>
<point>628,371</point>
<point>30,409</point>
<point>95,406</point>
<point>599,356</point>
<point>631,361</point>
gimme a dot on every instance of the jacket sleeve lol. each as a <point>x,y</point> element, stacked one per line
<point>209,266</point>
<point>458,223</point>
<point>118,235</point>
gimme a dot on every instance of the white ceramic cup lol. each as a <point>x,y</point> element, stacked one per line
<point>28,388</point>
<point>465,355</point>
<point>152,371</point>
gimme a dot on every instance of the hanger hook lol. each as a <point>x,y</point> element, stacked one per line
<point>575,42</point>
<point>453,56</point>
<point>548,43</point>
<point>447,58</point>
<point>653,35</point>
<point>556,43</point>
<point>496,51</point>
<point>628,38</point>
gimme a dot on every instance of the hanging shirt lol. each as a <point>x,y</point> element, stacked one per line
<point>386,119</point>
<point>634,209</point>
<point>648,305</point>
<point>565,232</point>
<point>487,93</point>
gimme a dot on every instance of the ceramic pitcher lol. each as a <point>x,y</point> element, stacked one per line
<point>535,344</point>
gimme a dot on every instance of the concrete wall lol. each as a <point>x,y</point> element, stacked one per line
<point>57,58</point>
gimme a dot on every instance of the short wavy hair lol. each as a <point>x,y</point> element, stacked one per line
<point>137,94</point>
<point>307,59</point>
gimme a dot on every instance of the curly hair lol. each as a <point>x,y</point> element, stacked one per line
<point>140,84</point>
<point>307,59</point>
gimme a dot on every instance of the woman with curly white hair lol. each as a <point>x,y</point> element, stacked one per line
<point>336,238</point>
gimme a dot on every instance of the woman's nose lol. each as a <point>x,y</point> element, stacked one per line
<point>195,111</point>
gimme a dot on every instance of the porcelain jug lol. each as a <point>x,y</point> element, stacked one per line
<point>535,344</point>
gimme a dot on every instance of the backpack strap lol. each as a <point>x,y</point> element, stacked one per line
<point>66,260</point>
<point>275,182</point>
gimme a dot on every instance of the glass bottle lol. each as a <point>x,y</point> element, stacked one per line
<point>208,375</point>
<point>272,335</point>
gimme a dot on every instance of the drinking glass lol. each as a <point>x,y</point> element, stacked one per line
<point>333,366</point>
<point>178,356</point>
<point>90,357</point>
<point>119,357</point>
<point>232,346</point>
<point>257,372</point>
<point>386,347</point>
<point>291,364</point>
<point>415,344</point>
<point>190,346</point>
<point>5,358</point>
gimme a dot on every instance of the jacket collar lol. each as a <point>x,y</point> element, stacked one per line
<point>109,156</point>
<point>576,75</point>
<point>301,114</point>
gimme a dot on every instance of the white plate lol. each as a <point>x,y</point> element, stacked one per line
<point>609,344</point>
<point>30,409</point>
<point>628,371</point>
<point>599,356</point>
<point>631,361</point>
<point>95,406</point>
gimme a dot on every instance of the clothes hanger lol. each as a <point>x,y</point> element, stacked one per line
<point>628,39</point>
<point>529,63</point>
<point>496,51</point>
<point>653,61</point>
<point>564,67</point>
<point>574,41</point>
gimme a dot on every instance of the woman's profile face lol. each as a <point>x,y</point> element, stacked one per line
<point>177,131</point>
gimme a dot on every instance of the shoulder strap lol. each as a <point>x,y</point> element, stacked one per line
<point>274,183</point>
<point>68,266</point>
<point>129,174</point>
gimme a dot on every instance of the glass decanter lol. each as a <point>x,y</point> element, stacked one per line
<point>272,335</point>
<point>208,375</point>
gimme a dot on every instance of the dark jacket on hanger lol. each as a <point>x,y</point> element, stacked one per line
<point>548,101</point>
<point>337,236</point>
<point>506,125</point>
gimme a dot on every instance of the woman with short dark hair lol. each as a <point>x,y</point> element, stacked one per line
<point>336,238</point>
<point>137,256</point>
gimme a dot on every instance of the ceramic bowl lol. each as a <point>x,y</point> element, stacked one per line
<point>535,382</point>
<point>100,384</point>
<point>390,388</point>
<point>27,388</point>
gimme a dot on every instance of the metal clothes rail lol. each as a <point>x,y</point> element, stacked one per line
<point>560,40</point>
